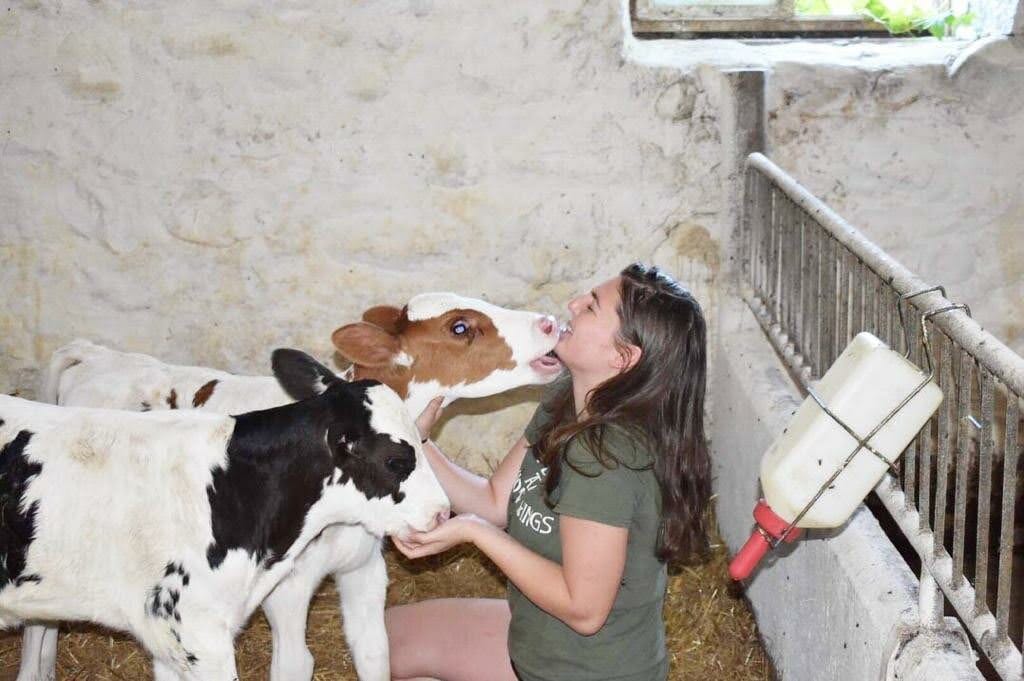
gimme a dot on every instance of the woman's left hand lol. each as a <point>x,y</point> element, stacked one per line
<point>450,533</point>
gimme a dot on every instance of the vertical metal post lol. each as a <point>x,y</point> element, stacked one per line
<point>857,296</point>
<point>773,253</point>
<point>1011,454</point>
<point>942,464</point>
<point>813,325</point>
<point>843,263</point>
<point>787,257</point>
<point>801,330</point>
<point>928,454</point>
<point>828,304</point>
<point>910,459</point>
<point>930,600</point>
<point>963,402</point>
<point>984,494</point>
<point>761,227</point>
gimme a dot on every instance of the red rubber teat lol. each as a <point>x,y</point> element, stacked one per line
<point>768,523</point>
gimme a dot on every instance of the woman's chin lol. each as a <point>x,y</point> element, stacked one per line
<point>547,367</point>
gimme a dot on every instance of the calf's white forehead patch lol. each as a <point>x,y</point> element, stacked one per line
<point>389,415</point>
<point>430,305</point>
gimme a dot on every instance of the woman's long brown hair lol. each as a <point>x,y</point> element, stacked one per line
<point>660,400</point>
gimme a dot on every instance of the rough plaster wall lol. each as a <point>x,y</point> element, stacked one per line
<point>206,183</point>
<point>994,17</point>
<point>928,166</point>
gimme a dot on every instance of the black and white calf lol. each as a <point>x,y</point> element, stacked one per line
<point>439,344</point>
<point>174,526</point>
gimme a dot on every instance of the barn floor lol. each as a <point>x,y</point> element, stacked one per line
<point>711,632</point>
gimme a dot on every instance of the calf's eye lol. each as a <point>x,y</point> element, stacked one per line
<point>460,327</point>
<point>400,465</point>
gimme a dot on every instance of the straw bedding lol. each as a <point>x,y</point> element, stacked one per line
<point>711,632</point>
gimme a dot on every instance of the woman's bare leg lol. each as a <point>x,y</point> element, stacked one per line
<point>451,639</point>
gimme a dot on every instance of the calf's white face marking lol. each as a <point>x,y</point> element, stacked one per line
<point>423,497</point>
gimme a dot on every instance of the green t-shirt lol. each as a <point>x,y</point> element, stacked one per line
<point>631,644</point>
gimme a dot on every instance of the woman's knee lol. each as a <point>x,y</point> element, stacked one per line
<point>448,638</point>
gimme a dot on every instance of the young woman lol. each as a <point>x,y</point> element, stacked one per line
<point>610,480</point>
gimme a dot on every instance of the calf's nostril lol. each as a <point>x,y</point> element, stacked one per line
<point>547,325</point>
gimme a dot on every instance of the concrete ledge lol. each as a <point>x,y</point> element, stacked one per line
<point>864,54</point>
<point>842,606</point>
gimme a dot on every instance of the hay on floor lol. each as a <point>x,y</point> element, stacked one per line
<point>711,632</point>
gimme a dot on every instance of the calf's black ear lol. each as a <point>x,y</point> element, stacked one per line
<point>300,375</point>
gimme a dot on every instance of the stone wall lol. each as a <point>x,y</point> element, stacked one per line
<point>207,183</point>
<point>928,162</point>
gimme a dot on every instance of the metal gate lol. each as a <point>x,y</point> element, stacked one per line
<point>814,281</point>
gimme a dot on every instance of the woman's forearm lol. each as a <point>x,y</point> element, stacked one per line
<point>467,491</point>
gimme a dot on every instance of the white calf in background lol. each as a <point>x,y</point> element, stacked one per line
<point>439,344</point>
<point>174,526</point>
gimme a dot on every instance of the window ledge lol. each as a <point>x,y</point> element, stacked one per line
<point>863,53</point>
<point>869,53</point>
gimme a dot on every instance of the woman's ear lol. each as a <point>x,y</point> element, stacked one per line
<point>627,357</point>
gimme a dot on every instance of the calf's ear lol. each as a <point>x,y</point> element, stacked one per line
<point>343,438</point>
<point>366,344</point>
<point>387,317</point>
<point>300,375</point>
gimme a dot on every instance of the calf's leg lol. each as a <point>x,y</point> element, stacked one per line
<point>164,672</point>
<point>362,592</point>
<point>38,653</point>
<point>286,609</point>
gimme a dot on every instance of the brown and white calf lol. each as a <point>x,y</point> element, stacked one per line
<point>440,344</point>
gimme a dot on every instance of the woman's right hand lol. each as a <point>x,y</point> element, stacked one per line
<point>429,416</point>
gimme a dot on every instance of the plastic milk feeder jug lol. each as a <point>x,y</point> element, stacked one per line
<point>863,386</point>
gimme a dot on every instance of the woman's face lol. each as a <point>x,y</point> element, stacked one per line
<point>587,344</point>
